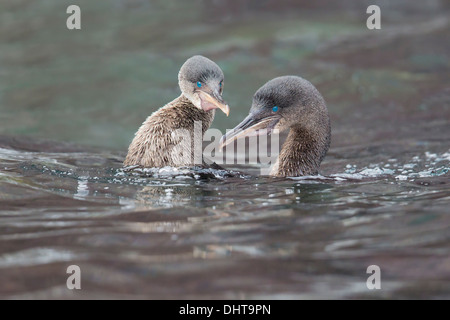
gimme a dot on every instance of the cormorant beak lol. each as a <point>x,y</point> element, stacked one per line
<point>213,100</point>
<point>250,126</point>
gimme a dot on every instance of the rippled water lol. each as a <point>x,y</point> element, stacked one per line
<point>191,236</point>
<point>382,196</point>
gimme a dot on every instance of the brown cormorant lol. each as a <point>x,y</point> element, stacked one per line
<point>167,137</point>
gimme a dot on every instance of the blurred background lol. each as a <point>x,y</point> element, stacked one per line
<point>95,86</point>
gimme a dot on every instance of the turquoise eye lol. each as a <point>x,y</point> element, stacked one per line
<point>275,109</point>
<point>220,84</point>
<point>199,84</point>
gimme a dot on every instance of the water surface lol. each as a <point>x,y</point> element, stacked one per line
<point>382,196</point>
<point>236,237</point>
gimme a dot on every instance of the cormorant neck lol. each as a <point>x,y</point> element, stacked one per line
<point>188,112</point>
<point>304,149</point>
<point>183,98</point>
<point>192,98</point>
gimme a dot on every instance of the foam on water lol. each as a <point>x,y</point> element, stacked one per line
<point>181,173</point>
<point>418,166</point>
<point>429,165</point>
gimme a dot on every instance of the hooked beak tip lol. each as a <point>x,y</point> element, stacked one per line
<point>226,110</point>
<point>223,142</point>
<point>214,102</point>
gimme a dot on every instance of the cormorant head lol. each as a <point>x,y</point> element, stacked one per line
<point>282,103</point>
<point>201,81</point>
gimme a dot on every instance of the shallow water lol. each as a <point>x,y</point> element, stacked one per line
<point>381,198</point>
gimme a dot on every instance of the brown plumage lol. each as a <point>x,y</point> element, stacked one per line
<point>153,145</point>
<point>301,154</point>
<point>290,103</point>
<point>168,137</point>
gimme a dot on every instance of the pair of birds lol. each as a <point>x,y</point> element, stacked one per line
<point>284,103</point>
